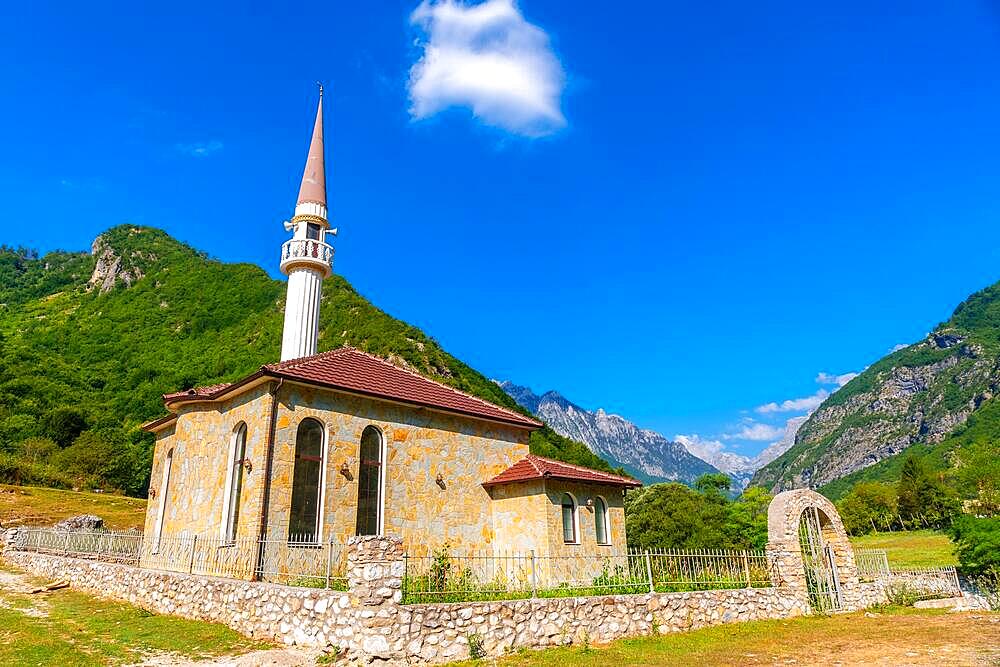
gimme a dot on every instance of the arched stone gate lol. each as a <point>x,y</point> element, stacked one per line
<point>811,551</point>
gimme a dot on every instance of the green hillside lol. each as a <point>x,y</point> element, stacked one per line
<point>934,399</point>
<point>81,368</point>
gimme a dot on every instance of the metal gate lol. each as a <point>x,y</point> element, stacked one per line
<point>821,570</point>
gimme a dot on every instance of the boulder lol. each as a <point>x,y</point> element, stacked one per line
<point>83,522</point>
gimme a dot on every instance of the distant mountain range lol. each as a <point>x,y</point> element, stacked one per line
<point>646,454</point>
<point>650,456</point>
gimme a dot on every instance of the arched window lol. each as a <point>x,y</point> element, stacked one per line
<point>237,455</point>
<point>569,519</point>
<point>601,520</point>
<point>307,477</point>
<point>370,483</point>
<point>164,494</point>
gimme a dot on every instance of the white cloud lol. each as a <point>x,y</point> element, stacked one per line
<point>488,58</point>
<point>703,449</point>
<point>756,431</point>
<point>200,149</point>
<point>839,380</point>
<point>804,404</point>
<point>897,347</point>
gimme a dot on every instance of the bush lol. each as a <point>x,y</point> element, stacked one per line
<point>977,543</point>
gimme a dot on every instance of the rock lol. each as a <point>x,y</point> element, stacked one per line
<point>82,522</point>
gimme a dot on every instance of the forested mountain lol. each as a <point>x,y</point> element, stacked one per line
<point>89,342</point>
<point>647,455</point>
<point>935,398</point>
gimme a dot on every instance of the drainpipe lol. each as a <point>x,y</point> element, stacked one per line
<point>268,465</point>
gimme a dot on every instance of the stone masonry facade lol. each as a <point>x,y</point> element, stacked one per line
<point>434,466</point>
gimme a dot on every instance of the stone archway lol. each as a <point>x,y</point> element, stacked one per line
<point>811,551</point>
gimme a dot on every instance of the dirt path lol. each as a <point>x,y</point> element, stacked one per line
<point>917,640</point>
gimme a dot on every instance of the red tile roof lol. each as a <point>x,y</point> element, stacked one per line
<point>538,467</point>
<point>357,372</point>
<point>199,392</point>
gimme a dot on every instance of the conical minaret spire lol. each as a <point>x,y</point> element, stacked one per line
<point>313,188</point>
<point>307,259</point>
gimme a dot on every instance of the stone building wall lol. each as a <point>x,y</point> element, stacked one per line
<point>517,511</point>
<point>419,445</point>
<point>201,438</point>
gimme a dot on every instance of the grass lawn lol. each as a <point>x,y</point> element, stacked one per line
<point>69,628</point>
<point>914,548</point>
<point>38,506</point>
<point>897,636</point>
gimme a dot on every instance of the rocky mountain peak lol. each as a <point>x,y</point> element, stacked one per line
<point>646,454</point>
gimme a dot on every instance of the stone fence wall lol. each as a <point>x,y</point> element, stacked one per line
<point>369,623</point>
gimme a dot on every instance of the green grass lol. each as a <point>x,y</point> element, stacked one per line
<point>914,548</point>
<point>896,635</point>
<point>38,506</point>
<point>82,630</point>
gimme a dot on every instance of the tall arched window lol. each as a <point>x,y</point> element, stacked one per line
<point>164,495</point>
<point>569,519</point>
<point>237,455</point>
<point>370,483</point>
<point>601,520</point>
<point>307,488</point>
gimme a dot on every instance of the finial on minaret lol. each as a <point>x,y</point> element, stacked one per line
<point>307,258</point>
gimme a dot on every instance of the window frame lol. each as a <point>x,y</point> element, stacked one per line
<point>575,515</point>
<point>234,473</point>
<point>380,505</point>
<point>321,490</point>
<point>602,510</point>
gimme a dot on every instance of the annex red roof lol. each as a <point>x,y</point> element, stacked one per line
<point>538,467</point>
<point>200,392</point>
<point>354,371</point>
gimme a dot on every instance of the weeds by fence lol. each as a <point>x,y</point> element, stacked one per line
<point>299,561</point>
<point>449,577</point>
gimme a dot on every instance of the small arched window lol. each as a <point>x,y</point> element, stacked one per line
<point>601,520</point>
<point>370,473</point>
<point>569,519</point>
<point>307,489</point>
<point>237,455</point>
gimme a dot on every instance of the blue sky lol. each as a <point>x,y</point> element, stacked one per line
<point>679,212</point>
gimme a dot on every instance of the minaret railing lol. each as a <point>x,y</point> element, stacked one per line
<point>307,249</point>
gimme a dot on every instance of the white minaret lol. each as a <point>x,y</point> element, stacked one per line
<point>306,259</point>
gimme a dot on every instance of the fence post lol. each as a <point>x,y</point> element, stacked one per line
<point>534,576</point>
<point>746,567</point>
<point>329,561</point>
<point>66,544</point>
<point>194,545</point>
<point>958,584</point>
<point>649,573</point>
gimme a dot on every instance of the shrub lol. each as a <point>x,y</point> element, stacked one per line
<point>977,543</point>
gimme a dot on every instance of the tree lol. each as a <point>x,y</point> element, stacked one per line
<point>673,516</point>
<point>63,425</point>
<point>979,472</point>
<point>921,497</point>
<point>868,506</point>
<point>977,542</point>
<point>713,484</point>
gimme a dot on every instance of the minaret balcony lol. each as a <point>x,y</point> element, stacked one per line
<point>307,253</point>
